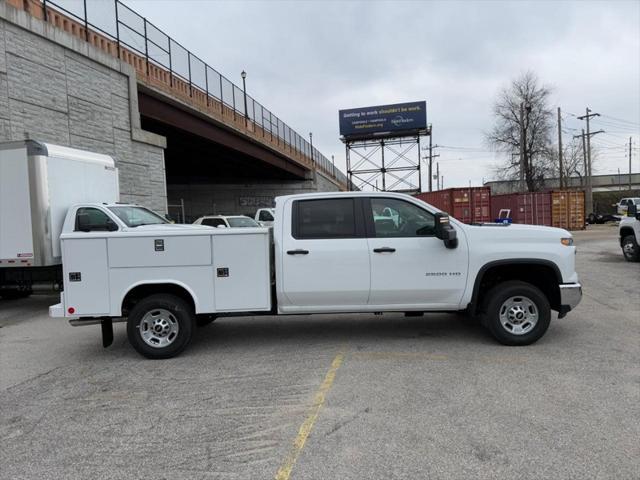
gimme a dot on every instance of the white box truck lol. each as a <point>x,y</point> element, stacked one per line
<point>38,183</point>
<point>331,253</point>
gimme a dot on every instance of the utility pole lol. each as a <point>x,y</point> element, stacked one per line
<point>430,157</point>
<point>584,156</point>
<point>522,140</point>
<point>629,164</point>
<point>587,117</point>
<point>586,150</point>
<point>438,175</point>
<point>560,147</point>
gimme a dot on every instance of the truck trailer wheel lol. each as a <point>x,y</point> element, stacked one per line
<point>630,249</point>
<point>516,313</point>
<point>160,326</point>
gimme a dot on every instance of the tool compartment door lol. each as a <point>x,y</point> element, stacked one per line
<point>241,269</point>
<point>86,276</point>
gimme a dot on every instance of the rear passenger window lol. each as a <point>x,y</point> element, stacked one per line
<point>331,218</point>
<point>212,222</point>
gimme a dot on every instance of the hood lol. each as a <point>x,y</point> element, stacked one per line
<point>498,230</point>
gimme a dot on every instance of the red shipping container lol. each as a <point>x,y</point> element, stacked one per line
<point>469,205</point>
<point>533,208</point>
<point>440,199</point>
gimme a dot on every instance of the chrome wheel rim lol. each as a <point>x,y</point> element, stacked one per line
<point>518,315</point>
<point>159,328</point>
<point>629,249</point>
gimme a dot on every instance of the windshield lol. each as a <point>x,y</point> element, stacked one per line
<point>136,216</point>
<point>242,222</point>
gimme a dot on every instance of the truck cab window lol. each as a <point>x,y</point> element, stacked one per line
<point>213,222</point>
<point>93,220</point>
<point>331,218</point>
<point>134,216</point>
<point>397,218</point>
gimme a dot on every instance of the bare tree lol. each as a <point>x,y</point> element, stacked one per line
<point>536,129</point>
<point>573,161</point>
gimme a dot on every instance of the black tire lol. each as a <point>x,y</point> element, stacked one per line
<point>177,311</point>
<point>630,249</point>
<point>204,320</point>
<point>497,298</point>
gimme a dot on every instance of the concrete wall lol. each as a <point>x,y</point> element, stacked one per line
<point>237,199</point>
<point>58,89</point>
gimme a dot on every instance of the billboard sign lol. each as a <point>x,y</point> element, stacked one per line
<point>383,120</point>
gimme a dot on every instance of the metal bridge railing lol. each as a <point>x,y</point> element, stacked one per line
<point>162,59</point>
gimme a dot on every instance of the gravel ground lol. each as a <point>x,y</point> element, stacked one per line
<point>420,397</point>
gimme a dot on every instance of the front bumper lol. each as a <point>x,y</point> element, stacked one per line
<point>570,296</point>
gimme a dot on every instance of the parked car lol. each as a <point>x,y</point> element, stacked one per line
<point>598,218</point>
<point>327,254</point>
<point>228,221</point>
<point>265,216</point>
<point>623,204</point>
<point>630,234</point>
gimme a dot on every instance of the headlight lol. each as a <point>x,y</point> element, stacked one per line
<point>567,242</point>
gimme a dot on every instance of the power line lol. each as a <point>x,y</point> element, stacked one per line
<point>621,120</point>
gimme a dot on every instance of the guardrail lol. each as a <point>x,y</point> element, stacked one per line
<point>165,64</point>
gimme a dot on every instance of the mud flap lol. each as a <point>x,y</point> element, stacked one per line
<point>107,332</point>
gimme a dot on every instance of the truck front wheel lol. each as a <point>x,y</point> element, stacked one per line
<point>630,249</point>
<point>160,326</point>
<point>516,313</point>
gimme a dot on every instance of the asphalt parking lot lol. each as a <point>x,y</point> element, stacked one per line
<point>335,397</point>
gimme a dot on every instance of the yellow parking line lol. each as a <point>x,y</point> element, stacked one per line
<point>392,355</point>
<point>305,429</point>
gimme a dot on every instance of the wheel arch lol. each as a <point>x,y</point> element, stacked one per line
<point>142,290</point>
<point>543,274</point>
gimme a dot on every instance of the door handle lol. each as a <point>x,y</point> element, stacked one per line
<point>384,250</point>
<point>297,252</point>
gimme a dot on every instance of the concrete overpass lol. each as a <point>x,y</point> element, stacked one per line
<point>106,79</point>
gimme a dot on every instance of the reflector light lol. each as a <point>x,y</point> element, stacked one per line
<point>71,310</point>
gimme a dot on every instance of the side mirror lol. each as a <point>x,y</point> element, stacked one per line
<point>445,232</point>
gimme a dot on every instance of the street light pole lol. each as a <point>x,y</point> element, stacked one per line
<point>244,91</point>
<point>311,143</point>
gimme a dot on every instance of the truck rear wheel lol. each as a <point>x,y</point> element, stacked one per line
<point>630,249</point>
<point>160,326</point>
<point>516,313</point>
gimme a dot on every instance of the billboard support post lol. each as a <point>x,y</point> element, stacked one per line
<point>393,160</point>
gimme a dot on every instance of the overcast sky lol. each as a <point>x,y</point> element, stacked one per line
<point>307,59</point>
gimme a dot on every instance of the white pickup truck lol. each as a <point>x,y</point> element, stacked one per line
<point>629,230</point>
<point>330,253</point>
